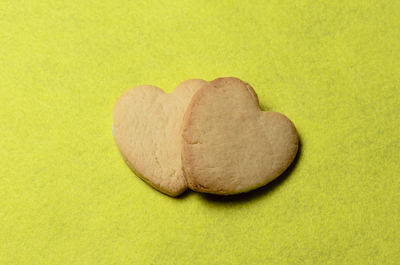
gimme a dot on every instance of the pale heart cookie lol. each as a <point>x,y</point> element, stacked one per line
<point>147,129</point>
<point>230,145</point>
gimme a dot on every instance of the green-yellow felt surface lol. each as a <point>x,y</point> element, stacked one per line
<point>67,197</point>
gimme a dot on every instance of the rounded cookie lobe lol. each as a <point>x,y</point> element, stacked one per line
<point>147,129</point>
<point>230,145</point>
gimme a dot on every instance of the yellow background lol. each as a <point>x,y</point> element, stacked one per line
<point>66,196</point>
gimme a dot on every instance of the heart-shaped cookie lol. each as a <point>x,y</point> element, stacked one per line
<point>230,145</point>
<point>147,129</point>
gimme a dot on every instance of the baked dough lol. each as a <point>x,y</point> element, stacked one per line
<point>147,129</point>
<point>230,145</point>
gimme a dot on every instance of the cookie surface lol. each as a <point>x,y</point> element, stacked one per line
<point>230,145</point>
<point>147,129</point>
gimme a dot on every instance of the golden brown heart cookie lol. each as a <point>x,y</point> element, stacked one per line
<point>230,145</point>
<point>147,129</point>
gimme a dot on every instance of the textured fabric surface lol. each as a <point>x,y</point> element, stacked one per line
<point>66,196</point>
